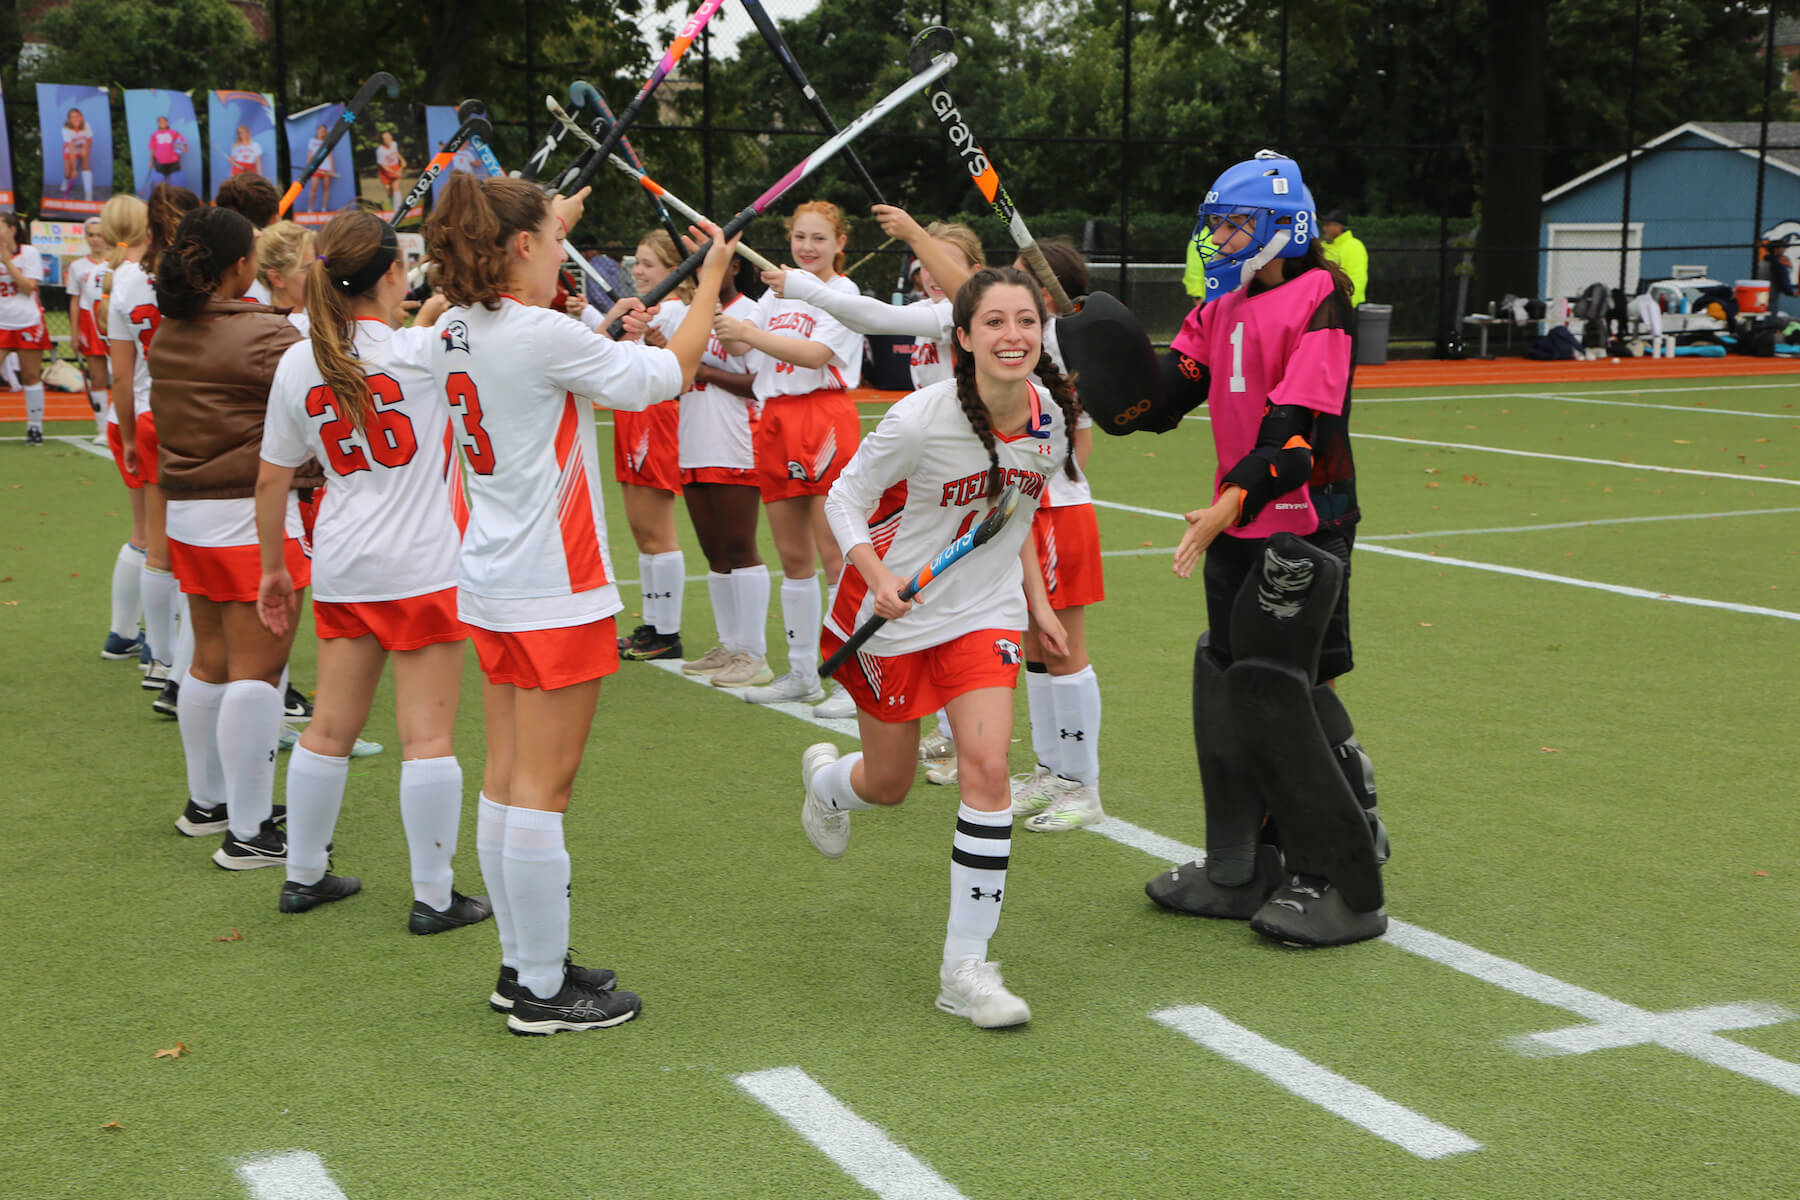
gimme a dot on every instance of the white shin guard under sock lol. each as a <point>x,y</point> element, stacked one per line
<point>249,728</point>
<point>100,401</point>
<point>158,591</point>
<point>430,812</point>
<point>184,637</point>
<point>718,590</point>
<point>647,587</point>
<point>537,884</point>
<point>1076,702</point>
<point>315,796</point>
<point>128,591</point>
<point>832,784</point>
<point>978,861</point>
<point>668,573</point>
<point>34,405</point>
<point>197,713</point>
<point>750,610</point>
<point>1040,702</point>
<point>803,612</point>
<point>490,852</point>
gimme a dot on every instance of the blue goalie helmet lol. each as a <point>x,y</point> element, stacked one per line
<point>1264,198</point>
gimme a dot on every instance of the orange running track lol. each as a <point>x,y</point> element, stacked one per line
<point>1417,373</point>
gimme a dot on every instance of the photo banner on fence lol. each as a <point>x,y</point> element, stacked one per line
<point>440,123</point>
<point>76,124</point>
<point>165,139</point>
<point>389,154</point>
<point>241,128</point>
<point>6,177</point>
<point>333,187</point>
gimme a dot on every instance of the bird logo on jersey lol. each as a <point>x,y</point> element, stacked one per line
<point>1008,651</point>
<point>456,337</point>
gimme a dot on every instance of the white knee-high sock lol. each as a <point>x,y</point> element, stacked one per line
<point>490,852</point>
<point>652,600</point>
<point>315,795</point>
<point>127,591</point>
<point>197,713</point>
<point>249,727</point>
<point>34,405</point>
<point>670,573</point>
<point>158,590</point>
<point>718,590</point>
<point>100,400</point>
<point>1040,702</point>
<point>833,786</point>
<point>87,185</point>
<point>943,725</point>
<point>431,812</point>
<point>750,609</point>
<point>184,636</point>
<point>978,859</point>
<point>803,611</point>
<point>537,883</point>
<point>1077,704</point>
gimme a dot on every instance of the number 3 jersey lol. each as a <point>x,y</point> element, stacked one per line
<point>386,528</point>
<point>521,383</point>
<point>917,483</point>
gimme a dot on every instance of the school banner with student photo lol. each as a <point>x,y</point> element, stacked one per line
<point>333,187</point>
<point>59,243</point>
<point>440,123</point>
<point>76,122</point>
<point>389,153</point>
<point>6,180</point>
<point>165,139</point>
<point>241,130</point>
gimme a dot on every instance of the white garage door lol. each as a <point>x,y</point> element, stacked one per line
<point>1581,254</point>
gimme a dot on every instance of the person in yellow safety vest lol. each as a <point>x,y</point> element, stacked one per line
<point>1350,255</point>
<point>1193,279</point>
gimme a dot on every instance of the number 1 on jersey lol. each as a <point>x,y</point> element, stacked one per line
<point>1237,357</point>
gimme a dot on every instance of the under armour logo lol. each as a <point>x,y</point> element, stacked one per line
<point>658,595</point>
<point>978,894</point>
<point>1066,734</point>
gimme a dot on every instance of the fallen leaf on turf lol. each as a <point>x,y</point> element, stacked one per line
<point>1152,454</point>
<point>1549,749</point>
<point>1683,442</point>
<point>1472,479</point>
<point>74,574</point>
<point>175,1051</point>
<point>10,603</point>
<point>1760,874</point>
<point>1762,441</point>
<point>1432,484</point>
<point>1424,624</point>
<point>233,936</point>
<point>1146,543</point>
<point>1431,470</point>
<point>112,1125</point>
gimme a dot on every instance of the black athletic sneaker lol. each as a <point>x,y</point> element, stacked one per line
<point>576,1007</point>
<point>639,637</point>
<point>1308,911</point>
<point>296,708</point>
<point>34,436</point>
<point>168,703</point>
<point>199,822</point>
<point>267,849</point>
<point>298,897</point>
<point>463,910</point>
<point>657,645</point>
<point>506,991</point>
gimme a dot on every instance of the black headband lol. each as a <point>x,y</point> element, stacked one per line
<point>363,279</point>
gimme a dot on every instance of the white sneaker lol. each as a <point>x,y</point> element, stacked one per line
<point>941,772</point>
<point>790,688</point>
<point>937,747</point>
<point>710,663</point>
<point>156,677</point>
<point>840,705</point>
<point>743,671</point>
<point>1072,806</point>
<point>973,989</point>
<point>826,828</point>
<point>1030,795</point>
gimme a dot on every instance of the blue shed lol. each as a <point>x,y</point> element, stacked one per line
<point>1693,206</point>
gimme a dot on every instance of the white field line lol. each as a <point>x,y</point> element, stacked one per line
<point>1593,524</point>
<point>841,726</point>
<point>1352,1101</point>
<point>1626,389</point>
<point>296,1175</point>
<point>864,1152</point>
<point>1680,408</point>
<point>1652,468</point>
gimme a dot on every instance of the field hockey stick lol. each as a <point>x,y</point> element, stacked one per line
<point>375,82</point>
<point>474,125</point>
<point>942,561</point>
<point>812,162</point>
<point>584,168</point>
<point>492,162</point>
<point>938,40</point>
<point>583,94</point>
<point>659,193</point>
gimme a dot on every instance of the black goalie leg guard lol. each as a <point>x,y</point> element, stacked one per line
<point>1353,761</point>
<point>1239,871</point>
<point>1333,894</point>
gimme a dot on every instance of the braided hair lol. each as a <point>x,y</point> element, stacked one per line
<point>968,393</point>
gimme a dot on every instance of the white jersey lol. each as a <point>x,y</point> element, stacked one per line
<point>132,316</point>
<point>299,320</point>
<point>387,156</point>
<point>669,315</point>
<point>931,356</point>
<point>17,309</point>
<point>259,292</point>
<point>388,531</point>
<point>325,168</point>
<point>928,322</point>
<point>246,157</point>
<point>715,423</point>
<point>797,319</point>
<point>917,483</point>
<point>1063,491</point>
<point>519,382</point>
<point>75,281</point>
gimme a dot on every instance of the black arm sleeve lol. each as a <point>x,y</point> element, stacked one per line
<point>1185,383</point>
<point>1281,461</point>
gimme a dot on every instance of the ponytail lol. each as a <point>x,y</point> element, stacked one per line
<point>206,243</point>
<point>469,228</point>
<point>355,251</point>
<point>168,205</point>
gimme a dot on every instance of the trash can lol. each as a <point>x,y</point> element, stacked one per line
<point>1372,322</point>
